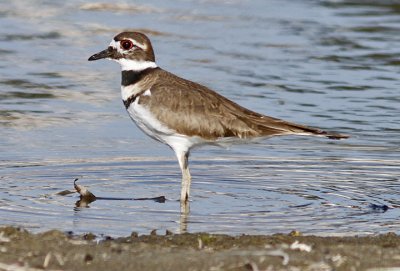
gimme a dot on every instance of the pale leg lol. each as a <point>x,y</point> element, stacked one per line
<point>186,178</point>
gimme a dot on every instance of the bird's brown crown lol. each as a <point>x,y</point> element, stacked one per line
<point>135,46</point>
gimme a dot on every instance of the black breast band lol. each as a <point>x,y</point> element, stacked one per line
<point>129,101</point>
<point>132,77</point>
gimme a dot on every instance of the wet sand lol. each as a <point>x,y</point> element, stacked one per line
<point>55,250</point>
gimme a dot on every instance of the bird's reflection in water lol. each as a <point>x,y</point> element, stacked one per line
<point>183,220</point>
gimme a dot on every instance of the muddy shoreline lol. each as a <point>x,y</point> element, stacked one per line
<point>55,250</point>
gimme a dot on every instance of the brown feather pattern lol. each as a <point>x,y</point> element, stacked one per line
<point>195,110</point>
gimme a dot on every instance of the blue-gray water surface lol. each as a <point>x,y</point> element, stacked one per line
<point>328,64</point>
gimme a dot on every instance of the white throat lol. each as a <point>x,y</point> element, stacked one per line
<point>133,65</point>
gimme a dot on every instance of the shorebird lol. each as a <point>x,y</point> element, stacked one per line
<point>184,114</point>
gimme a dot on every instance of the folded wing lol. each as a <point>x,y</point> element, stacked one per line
<point>198,111</point>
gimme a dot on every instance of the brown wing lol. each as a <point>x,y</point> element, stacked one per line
<point>196,110</point>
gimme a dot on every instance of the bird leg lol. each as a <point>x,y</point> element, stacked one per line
<point>186,180</point>
<point>183,158</point>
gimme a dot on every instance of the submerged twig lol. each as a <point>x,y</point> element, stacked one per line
<point>84,192</point>
<point>87,197</point>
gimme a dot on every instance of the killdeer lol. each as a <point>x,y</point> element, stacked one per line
<point>182,113</point>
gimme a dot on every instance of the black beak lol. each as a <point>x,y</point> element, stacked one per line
<point>107,53</point>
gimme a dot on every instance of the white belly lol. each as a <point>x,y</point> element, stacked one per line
<point>146,121</point>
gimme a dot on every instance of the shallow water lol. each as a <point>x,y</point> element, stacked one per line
<point>328,64</point>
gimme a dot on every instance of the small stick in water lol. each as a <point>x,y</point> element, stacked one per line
<point>84,192</point>
<point>87,197</point>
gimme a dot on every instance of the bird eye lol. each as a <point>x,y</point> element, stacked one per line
<point>126,44</point>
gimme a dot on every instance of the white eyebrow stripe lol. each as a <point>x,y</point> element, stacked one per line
<point>116,45</point>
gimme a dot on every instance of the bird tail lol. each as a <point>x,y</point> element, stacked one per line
<point>253,124</point>
<point>318,132</point>
<point>272,126</point>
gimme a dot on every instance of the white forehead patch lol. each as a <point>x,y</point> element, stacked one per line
<point>116,45</point>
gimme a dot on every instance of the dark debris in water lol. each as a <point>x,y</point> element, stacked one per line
<point>87,197</point>
<point>378,207</point>
<point>301,205</point>
<point>84,192</point>
<point>65,193</point>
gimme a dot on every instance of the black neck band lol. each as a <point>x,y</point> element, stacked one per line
<point>132,77</point>
<point>129,101</point>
